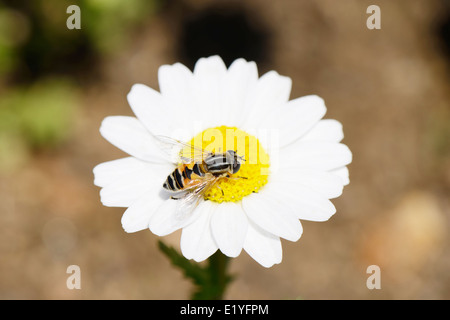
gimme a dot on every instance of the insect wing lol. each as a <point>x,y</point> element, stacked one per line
<point>190,200</point>
<point>180,152</point>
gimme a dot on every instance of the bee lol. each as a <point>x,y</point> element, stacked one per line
<point>197,172</point>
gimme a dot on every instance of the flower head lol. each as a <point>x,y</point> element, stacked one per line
<point>290,161</point>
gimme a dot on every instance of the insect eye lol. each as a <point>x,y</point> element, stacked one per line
<point>236,166</point>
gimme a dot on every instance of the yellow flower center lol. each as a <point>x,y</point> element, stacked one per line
<point>253,172</point>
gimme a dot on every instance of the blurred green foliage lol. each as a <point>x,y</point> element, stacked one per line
<point>14,31</point>
<point>210,280</point>
<point>37,117</point>
<point>107,22</point>
<point>438,132</point>
<point>42,113</point>
<point>43,66</point>
<point>34,38</point>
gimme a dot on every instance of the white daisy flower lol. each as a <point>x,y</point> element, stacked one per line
<point>292,162</point>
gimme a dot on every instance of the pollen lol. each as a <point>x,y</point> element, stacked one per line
<point>254,170</point>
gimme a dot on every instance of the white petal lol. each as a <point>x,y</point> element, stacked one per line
<point>271,214</point>
<point>208,90</point>
<point>318,155</point>
<point>150,108</point>
<point>212,67</point>
<point>296,117</point>
<point>138,215</point>
<point>342,173</point>
<point>312,206</point>
<point>123,191</point>
<point>176,84</point>
<point>322,182</point>
<point>303,202</point>
<point>271,93</point>
<point>168,219</point>
<point>241,78</point>
<point>263,247</point>
<point>325,130</point>
<point>163,221</point>
<point>107,172</point>
<point>229,227</point>
<point>196,239</point>
<point>129,135</point>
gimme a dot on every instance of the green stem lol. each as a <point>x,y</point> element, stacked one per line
<point>211,280</point>
<point>219,278</point>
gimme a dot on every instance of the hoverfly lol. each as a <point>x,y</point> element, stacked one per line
<point>197,172</point>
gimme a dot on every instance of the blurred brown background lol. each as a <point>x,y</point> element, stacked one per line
<point>389,88</point>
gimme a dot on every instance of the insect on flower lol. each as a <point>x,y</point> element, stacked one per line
<point>198,171</point>
<point>222,182</point>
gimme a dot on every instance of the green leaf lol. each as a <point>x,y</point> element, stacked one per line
<point>210,280</point>
<point>191,270</point>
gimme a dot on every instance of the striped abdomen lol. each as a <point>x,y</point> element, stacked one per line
<point>183,176</point>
